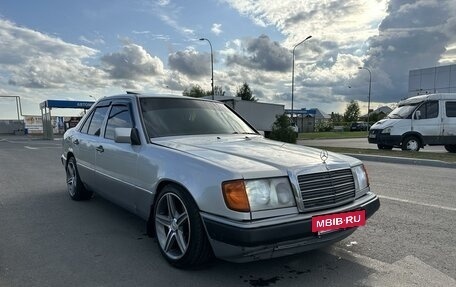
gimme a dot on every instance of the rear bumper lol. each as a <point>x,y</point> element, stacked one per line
<point>242,243</point>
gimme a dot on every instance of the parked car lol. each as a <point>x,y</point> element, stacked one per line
<point>359,126</point>
<point>418,121</point>
<point>207,183</point>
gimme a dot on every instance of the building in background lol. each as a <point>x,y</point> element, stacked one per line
<point>377,114</point>
<point>308,119</point>
<point>432,80</point>
<point>34,124</point>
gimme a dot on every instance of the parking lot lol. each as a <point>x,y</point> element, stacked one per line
<point>46,239</point>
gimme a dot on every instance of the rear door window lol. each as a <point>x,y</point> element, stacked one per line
<point>85,126</point>
<point>119,117</point>
<point>97,121</point>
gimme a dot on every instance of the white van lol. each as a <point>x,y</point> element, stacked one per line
<point>418,121</point>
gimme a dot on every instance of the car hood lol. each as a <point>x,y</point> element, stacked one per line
<point>255,154</point>
<point>381,124</point>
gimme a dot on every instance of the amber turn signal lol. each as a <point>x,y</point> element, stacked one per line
<point>235,195</point>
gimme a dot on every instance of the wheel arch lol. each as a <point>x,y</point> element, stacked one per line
<point>414,134</point>
<point>68,156</point>
<point>158,190</point>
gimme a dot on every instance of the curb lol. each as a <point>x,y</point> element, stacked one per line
<point>402,160</point>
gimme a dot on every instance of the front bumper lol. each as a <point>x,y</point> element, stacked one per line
<point>376,137</point>
<point>63,159</point>
<point>243,242</point>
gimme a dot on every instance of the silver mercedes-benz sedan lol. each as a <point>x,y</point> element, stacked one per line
<point>208,184</point>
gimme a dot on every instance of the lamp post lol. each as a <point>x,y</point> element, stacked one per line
<point>292,75</point>
<point>212,65</point>
<point>369,96</point>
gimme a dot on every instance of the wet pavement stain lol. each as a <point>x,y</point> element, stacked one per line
<point>263,282</point>
<point>260,282</point>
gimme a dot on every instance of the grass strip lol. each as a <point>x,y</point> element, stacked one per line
<point>332,135</point>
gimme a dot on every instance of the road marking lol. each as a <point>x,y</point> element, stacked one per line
<point>408,271</point>
<point>417,203</point>
<point>30,147</point>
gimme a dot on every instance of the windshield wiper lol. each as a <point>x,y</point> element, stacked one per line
<point>244,133</point>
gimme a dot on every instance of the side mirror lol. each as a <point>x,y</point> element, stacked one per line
<point>417,115</point>
<point>127,135</point>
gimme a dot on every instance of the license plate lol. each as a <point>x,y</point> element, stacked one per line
<point>372,136</point>
<point>331,222</point>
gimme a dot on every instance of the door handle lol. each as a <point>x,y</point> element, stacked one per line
<point>100,148</point>
<point>76,141</point>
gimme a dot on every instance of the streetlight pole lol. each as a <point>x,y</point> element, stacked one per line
<point>292,75</point>
<point>212,65</point>
<point>369,95</point>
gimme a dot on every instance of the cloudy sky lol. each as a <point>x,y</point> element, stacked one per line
<point>53,49</point>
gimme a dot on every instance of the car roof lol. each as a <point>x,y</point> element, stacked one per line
<point>148,95</point>
<point>422,98</point>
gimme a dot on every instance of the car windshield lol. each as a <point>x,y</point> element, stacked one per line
<point>174,117</point>
<point>402,112</point>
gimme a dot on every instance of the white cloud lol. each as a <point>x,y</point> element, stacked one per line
<point>261,53</point>
<point>20,44</point>
<point>338,21</point>
<point>163,2</point>
<point>94,42</point>
<point>170,14</point>
<point>191,63</point>
<point>132,63</point>
<point>216,29</point>
<point>32,59</point>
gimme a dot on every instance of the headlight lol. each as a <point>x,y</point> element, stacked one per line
<point>361,177</point>
<point>260,194</point>
<point>386,130</point>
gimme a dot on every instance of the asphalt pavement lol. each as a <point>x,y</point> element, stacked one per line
<point>46,239</point>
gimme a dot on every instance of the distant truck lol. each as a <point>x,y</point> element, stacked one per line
<point>418,121</point>
<point>261,115</point>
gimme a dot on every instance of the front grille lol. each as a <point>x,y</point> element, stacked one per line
<point>326,188</point>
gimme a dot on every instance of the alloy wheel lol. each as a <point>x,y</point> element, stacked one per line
<point>71,178</point>
<point>172,226</point>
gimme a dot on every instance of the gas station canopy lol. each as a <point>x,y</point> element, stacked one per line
<point>66,104</point>
<point>48,105</point>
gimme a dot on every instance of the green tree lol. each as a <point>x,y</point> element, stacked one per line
<point>336,119</point>
<point>282,130</point>
<point>195,92</point>
<point>245,93</point>
<point>351,112</point>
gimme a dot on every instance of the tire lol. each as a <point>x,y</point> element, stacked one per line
<point>451,148</point>
<point>411,143</point>
<point>179,230</point>
<point>386,147</point>
<point>75,187</point>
